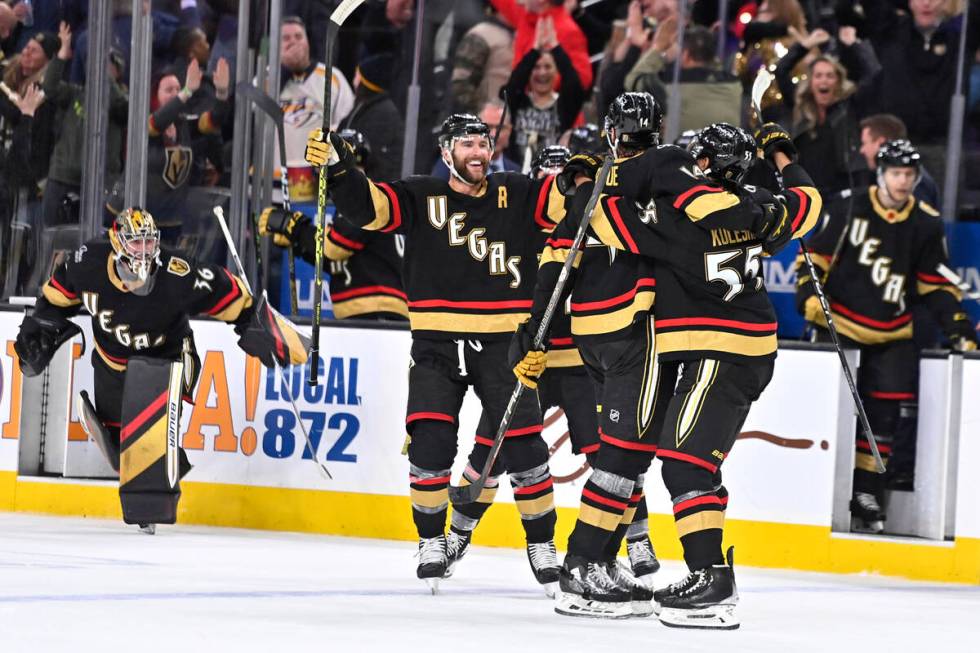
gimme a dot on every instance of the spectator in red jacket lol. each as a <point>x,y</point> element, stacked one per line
<point>524,20</point>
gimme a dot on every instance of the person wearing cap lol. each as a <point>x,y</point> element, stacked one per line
<point>376,116</point>
<point>28,66</point>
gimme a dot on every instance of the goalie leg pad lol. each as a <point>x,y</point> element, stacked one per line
<point>151,463</point>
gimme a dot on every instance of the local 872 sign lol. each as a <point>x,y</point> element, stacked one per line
<point>780,276</point>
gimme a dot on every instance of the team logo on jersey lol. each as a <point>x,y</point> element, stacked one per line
<point>614,415</point>
<point>178,266</point>
<point>178,165</point>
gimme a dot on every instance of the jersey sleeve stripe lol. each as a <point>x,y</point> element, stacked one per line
<point>928,278</point>
<point>233,294</point>
<point>396,207</point>
<point>810,206</point>
<point>697,190</point>
<point>542,201</point>
<point>56,296</point>
<point>64,291</point>
<point>707,203</point>
<point>344,241</point>
<point>613,205</point>
<point>368,290</point>
<point>381,203</point>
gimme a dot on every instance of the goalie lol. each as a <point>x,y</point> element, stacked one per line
<point>141,297</point>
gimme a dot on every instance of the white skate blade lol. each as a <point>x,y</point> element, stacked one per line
<point>551,589</point>
<point>716,617</point>
<point>148,529</point>
<point>572,605</point>
<point>433,584</point>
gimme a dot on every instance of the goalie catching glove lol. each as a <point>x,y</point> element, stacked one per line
<point>38,340</point>
<point>268,336</point>
<point>320,152</point>
<point>528,363</point>
<point>280,224</point>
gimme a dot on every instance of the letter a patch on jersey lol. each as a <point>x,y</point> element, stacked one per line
<point>178,266</point>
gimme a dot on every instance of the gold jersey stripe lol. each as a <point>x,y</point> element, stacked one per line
<point>588,325</point>
<point>56,297</point>
<point>370,304</point>
<point>466,323</point>
<point>604,230</point>
<point>334,252</point>
<point>926,288</point>
<point>555,204</point>
<point>564,358</point>
<point>700,521</point>
<point>150,447</point>
<point>867,462</point>
<point>119,367</point>
<point>716,341</point>
<point>382,211</point>
<point>865,335</point>
<point>550,255</point>
<point>813,213</point>
<point>708,203</point>
<point>231,312</point>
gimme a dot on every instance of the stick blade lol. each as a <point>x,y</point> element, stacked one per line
<point>464,494</point>
<point>759,87</point>
<point>343,10</point>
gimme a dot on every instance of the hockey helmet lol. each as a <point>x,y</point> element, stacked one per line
<point>729,150</point>
<point>459,125</point>
<point>357,140</point>
<point>550,160</point>
<point>686,138</point>
<point>585,139</point>
<point>899,153</point>
<point>634,121</point>
<point>135,240</point>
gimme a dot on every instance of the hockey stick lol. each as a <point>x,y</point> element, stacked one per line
<point>958,281</point>
<point>271,108</point>
<point>337,19</point>
<point>470,493</point>
<point>759,87</point>
<point>220,214</point>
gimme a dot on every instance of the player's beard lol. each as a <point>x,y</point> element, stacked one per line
<point>469,175</point>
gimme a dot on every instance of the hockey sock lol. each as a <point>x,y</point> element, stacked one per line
<point>605,499</point>
<point>467,516</point>
<point>535,499</point>
<point>429,490</point>
<point>640,526</point>
<point>616,541</point>
<point>699,519</point>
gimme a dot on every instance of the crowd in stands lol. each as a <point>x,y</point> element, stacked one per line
<point>850,74</point>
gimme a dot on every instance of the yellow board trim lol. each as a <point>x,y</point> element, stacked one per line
<point>760,544</point>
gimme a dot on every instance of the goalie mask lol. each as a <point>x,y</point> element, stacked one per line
<point>135,240</point>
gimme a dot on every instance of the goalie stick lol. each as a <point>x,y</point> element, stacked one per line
<point>220,215</point>
<point>271,108</point>
<point>469,493</point>
<point>337,18</point>
<point>759,86</point>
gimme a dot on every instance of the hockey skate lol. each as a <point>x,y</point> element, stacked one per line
<point>586,590</point>
<point>643,560</point>
<point>544,564</point>
<point>641,596</point>
<point>866,514</point>
<point>704,599</point>
<point>456,547</point>
<point>432,561</point>
<point>148,529</point>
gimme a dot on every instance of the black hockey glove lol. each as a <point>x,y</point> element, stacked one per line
<point>772,138</point>
<point>580,164</point>
<point>772,225</point>
<point>964,337</point>
<point>281,225</point>
<point>269,337</point>
<point>528,363</point>
<point>38,340</point>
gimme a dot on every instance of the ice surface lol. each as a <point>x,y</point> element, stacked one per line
<point>70,584</point>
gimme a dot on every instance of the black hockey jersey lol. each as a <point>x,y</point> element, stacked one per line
<point>706,240</point>
<point>470,262</point>
<point>888,259</point>
<point>125,324</point>
<point>365,268</point>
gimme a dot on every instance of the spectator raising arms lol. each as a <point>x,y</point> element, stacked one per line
<point>525,21</point>
<point>541,116</point>
<point>765,40</point>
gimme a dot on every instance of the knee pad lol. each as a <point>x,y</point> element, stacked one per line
<point>433,444</point>
<point>682,478</point>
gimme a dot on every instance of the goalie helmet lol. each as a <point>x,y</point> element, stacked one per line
<point>459,125</point>
<point>135,240</point>
<point>357,140</point>
<point>550,160</point>
<point>633,121</point>
<point>729,150</point>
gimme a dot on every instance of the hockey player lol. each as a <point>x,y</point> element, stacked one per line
<point>469,268</point>
<point>365,267</point>
<point>714,321</point>
<point>876,263</point>
<point>140,297</point>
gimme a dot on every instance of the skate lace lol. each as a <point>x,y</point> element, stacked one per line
<point>599,577</point>
<point>697,579</point>
<point>542,555</point>
<point>621,574</point>
<point>432,550</point>
<point>455,543</point>
<point>640,551</point>
<point>867,501</point>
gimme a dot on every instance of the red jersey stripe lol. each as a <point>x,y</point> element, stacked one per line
<point>714,321</point>
<point>932,278</point>
<point>625,444</point>
<point>804,203</point>
<point>686,195</point>
<point>539,217</point>
<point>618,219</point>
<point>677,455</point>
<point>232,295</point>
<point>369,290</point>
<point>621,299</point>
<point>446,303</point>
<point>396,208</point>
<point>64,291</point>
<point>439,417</point>
<point>697,501</point>
<point>344,241</point>
<point>867,321</point>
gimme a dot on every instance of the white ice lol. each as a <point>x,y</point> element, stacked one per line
<point>79,585</point>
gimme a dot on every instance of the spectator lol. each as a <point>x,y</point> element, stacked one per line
<point>27,68</point>
<point>918,54</point>
<point>301,97</point>
<point>765,40</point>
<point>879,129</point>
<point>482,64</point>
<point>8,21</point>
<point>826,105</point>
<point>176,153</point>
<point>541,116</point>
<point>708,94</point>
<point>376,117</point>
<point>491,114</point>
<point>65,172</point>
<point>525,21</point>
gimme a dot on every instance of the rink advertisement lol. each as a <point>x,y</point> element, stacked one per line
<point>253,466</point>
